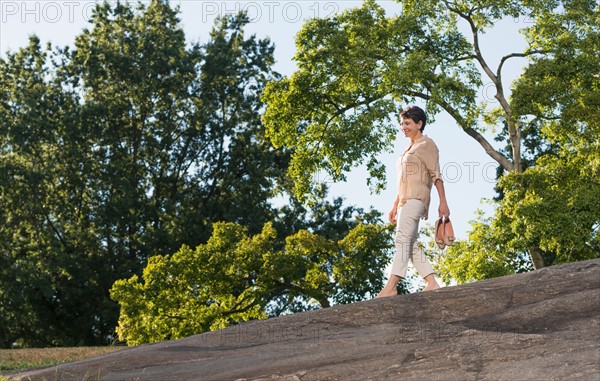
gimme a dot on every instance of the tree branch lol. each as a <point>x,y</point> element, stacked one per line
<point>514,130</point>
<point>339,111</point>
<point>243,309</point>
<point>489,149</point>
<point>458,59</point>
<point>514,55</point>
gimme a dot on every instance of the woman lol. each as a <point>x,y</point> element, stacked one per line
<point>418,169</point>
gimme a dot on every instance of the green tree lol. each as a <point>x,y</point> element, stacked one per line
<point>238,173</point>
<point>51,262</point>
<point>235,277</point>
<point>131,144</point>
<point>552,206</point>
<point>182,144</point>
<point>485,254</point>
<point>354,68</point>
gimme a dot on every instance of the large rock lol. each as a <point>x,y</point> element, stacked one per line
<point>542,325</point>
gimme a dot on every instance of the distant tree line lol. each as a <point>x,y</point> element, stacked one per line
<point>138,171</point>
<point>130,145</point>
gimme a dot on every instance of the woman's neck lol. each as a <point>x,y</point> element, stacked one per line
<point>416,137</point>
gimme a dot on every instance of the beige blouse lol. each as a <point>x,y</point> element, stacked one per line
<point>418,168</point>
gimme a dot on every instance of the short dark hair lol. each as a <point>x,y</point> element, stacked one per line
<point>416,114</point>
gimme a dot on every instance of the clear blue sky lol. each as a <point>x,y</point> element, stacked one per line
<point>468,171</point>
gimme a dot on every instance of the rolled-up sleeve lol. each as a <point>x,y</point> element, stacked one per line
<point>431,159</point>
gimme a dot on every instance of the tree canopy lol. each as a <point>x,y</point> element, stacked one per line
<point>140,158</point>
<point>234,277</point>
<point>141,167</point>
<point>355,69</point>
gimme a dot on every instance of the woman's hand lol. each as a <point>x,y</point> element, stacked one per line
<point>394,211</point>
<point>443,210</point>
<point>392,215</point>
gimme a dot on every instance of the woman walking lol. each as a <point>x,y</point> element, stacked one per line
<point>418,169</point>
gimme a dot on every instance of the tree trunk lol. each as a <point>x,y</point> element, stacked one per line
<point>324,302</point>
<point>536,257</point>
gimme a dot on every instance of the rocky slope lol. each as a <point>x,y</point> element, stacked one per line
<point>543,325</point>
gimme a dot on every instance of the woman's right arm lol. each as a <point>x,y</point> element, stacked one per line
<point>392,215</point>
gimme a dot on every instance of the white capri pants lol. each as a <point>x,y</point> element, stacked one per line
<point>407,248</point>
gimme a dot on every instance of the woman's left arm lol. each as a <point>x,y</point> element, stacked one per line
<point>443,210</point>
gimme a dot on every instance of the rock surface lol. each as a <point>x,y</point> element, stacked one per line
<point>542,325</point>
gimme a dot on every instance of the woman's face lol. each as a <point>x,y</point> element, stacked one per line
<point>410,128</point>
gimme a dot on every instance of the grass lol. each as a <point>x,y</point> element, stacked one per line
<point>21,359</point>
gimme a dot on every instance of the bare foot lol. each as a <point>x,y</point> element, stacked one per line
<point>385,293</point>
<point>390,287</point>
<point>432,283</point>
<point>431,287</point>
